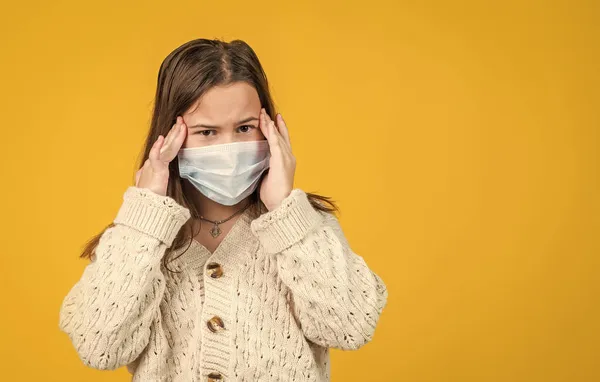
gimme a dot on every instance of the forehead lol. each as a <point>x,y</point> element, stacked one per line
<point>224,103</point>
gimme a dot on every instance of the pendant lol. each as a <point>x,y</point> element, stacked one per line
<point>215,231</point>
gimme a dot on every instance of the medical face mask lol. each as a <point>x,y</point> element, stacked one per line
<point>225,173</point>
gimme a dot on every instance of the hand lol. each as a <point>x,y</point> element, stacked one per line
<point>277,184</point>
<point>154,174</point>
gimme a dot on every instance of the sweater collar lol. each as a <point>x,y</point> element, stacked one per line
<point>237,244</point>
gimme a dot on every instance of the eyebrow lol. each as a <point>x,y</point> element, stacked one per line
<point>216,127</point>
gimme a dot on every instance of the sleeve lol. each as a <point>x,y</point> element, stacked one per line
<point>335,296</point>
<point>107,314</point>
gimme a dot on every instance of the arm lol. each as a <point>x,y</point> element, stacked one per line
<point>108,312</point>
<point>336,297</point>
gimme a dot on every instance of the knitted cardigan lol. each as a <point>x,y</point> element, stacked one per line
<point>266,305</point>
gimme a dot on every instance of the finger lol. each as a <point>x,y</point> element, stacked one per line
<point>274,142</point>
<point>279,144</point>
<point>269,120</point>
<point>279,135</point>
<point>154,154</point>
<point>176,143</point>
<point>281,140</point>
<point>166,151</point>
<point>284,130</point>
<point>262,124</point>
<point>172,134</point>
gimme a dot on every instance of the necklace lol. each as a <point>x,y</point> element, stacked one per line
<point>216,230</point>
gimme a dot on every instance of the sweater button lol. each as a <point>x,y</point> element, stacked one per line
<point>215,324</point>
<point>213,377</point>
<point>214,270</point>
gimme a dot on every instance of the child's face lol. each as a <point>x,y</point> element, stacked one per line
<point>229,113</point>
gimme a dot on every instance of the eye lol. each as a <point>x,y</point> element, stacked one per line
<point>246,128</point>
<point>206,133</point>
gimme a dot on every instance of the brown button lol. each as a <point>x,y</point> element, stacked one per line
<point>212,377</point>
<point>215,324</point>
<point>214,270</point>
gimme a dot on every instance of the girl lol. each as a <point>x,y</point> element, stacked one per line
<point>215,268</point>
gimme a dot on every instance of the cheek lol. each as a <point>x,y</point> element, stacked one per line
<point>255,135</point>
<point>194,141</point>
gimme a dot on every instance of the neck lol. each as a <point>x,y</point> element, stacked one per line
<point>208,208</point>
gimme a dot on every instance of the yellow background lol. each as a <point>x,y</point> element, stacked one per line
<point>459,138</point>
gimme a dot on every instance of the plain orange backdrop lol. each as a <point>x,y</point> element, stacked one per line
<point>460,139</point>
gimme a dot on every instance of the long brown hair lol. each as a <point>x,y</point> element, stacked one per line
<point>184,76</point>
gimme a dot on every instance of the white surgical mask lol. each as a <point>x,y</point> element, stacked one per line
<point>226,173</point>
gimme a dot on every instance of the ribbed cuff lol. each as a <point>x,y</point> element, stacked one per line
<point>284,226</point>
<point>156,215</point>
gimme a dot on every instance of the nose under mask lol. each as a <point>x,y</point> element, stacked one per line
<point>226,173</point>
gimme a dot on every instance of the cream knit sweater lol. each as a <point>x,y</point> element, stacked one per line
<point>265,306</point>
